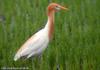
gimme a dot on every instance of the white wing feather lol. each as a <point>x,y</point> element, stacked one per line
<point>35,45</point>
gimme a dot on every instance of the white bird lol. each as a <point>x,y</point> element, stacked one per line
<point>39,41</point>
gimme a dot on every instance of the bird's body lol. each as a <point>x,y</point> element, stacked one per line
<point>36,44</point>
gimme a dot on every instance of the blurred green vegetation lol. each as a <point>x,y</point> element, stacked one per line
<point>76,42</point>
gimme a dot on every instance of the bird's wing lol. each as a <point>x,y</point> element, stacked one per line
<point>31,45</point>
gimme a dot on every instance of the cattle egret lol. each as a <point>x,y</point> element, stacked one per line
<point>36,44</point>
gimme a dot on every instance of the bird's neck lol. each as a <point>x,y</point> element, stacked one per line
<point>50,24</point>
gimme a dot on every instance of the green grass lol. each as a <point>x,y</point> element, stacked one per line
<point>76,42</point>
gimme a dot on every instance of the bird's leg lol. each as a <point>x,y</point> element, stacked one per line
<point>40,58</point>
<point>32,62</point>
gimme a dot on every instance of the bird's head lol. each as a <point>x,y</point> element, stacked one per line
<point>55,7</point>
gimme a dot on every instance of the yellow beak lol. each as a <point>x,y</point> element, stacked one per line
<point>63,8</point>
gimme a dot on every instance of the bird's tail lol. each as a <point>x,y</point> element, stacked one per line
<point>16,57</point>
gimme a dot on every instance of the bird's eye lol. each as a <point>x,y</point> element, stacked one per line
<point>57,7</point>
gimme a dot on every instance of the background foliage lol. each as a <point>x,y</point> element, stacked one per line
<point>76,42</point>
